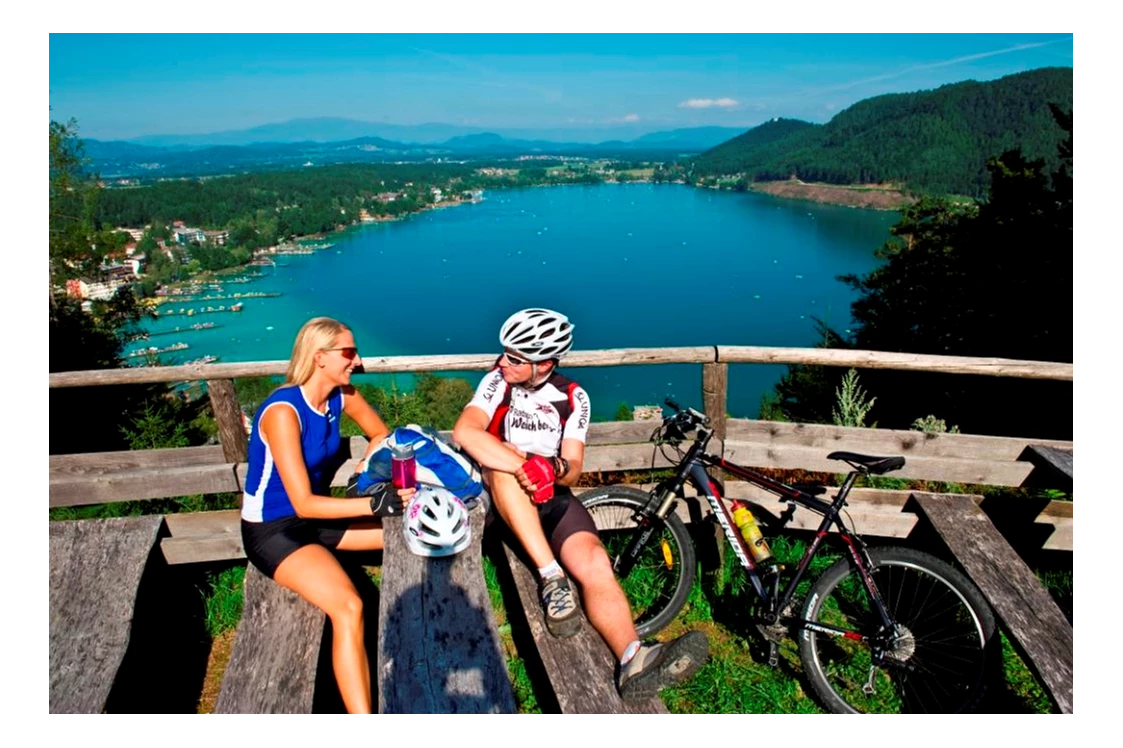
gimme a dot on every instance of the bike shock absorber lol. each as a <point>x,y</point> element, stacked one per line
<point>647,524</point>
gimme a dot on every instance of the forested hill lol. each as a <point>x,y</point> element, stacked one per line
<point>931,141</point>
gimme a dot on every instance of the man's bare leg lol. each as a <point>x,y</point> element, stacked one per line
<point>562,613</point>
<point>520,514</point>
<point>585,559</point>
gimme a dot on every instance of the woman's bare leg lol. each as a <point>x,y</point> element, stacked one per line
<point>315,574</point>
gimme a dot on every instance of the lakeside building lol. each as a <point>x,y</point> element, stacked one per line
<point>186,235</point>
<point>89,290</point>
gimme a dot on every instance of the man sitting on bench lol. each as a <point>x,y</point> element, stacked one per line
<point>526,427</point>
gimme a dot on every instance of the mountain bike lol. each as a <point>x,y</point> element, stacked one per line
<point>882,629</point>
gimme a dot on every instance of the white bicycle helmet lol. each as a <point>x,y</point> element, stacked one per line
<point>537,334</point>
<point>436,522</point>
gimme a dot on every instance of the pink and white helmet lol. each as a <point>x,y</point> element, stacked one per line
<point>436,522</point>
<point>537,334</point>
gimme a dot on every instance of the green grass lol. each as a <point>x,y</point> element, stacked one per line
<point>223,599</point>
<point>1022,689</point>
<point>525,700</point>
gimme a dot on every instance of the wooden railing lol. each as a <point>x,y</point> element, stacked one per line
<point>292,629</point>
<point>137,475</point>
<point>715,361</point>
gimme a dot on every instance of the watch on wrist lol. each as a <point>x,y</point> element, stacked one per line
<point>561,466</point>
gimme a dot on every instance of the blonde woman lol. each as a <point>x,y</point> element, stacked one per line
<point>290,522</point>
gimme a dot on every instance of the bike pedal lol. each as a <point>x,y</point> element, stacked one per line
<point>773,654</point>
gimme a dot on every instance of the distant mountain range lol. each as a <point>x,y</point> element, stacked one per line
<point>335,129</point>
<point>936,141</point>
<point>253,149</point>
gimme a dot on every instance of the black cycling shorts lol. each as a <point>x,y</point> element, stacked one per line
<point>267,544</point>
<point>562,517</point>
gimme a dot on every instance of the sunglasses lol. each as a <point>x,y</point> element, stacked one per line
<point>348,352</point>
<point>515,360</point>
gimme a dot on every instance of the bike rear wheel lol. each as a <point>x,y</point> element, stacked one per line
<point>938,665</point>
<point>660,581</point>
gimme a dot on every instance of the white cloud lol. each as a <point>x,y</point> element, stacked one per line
<point>631,118</point>
<point>724,103</point>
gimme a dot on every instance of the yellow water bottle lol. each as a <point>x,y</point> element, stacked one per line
<point>746,523</point>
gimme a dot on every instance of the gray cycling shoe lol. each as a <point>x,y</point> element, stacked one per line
<point>657,666</point>
<point>559,605</point>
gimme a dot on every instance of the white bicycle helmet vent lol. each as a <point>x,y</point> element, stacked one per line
<point>537,334</point>
<point>436,522</point>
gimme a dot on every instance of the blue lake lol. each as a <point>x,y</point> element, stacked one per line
<point>632,265</point>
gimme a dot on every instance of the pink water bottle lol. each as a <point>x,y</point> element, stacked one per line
<point>403,466</point>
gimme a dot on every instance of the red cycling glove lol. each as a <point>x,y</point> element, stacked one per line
<point>540,472</point>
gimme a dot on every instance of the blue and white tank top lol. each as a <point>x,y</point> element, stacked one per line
<point>265,498</point>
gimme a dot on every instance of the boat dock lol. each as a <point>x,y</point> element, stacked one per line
<point>192,312</point>
<point>189,328</point>
<point>154,351</point>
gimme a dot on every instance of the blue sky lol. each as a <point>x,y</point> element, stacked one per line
<point>129,85</point>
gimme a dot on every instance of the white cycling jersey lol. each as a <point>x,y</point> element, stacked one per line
<point>535,420</point>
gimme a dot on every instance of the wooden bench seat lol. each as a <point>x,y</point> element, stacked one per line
<point>1026,610</point>
<point>96,566</point>
<point>273,666</point>
<point>581,669</point>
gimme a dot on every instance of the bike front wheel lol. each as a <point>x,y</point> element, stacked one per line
<point>938,663</point>
<point>660,581</point>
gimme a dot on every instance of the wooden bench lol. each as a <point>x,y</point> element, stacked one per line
<point>96,567</point>
<point>273,666</point>
<point>581,669</point>
<point>438,649</point>
<point>1027,611</point>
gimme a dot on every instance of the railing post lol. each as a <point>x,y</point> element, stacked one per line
<point>711,547</point>
<point>715,381</point>
<point>228,416</point>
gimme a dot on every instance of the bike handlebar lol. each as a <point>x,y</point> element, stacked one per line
<point>684,419</point>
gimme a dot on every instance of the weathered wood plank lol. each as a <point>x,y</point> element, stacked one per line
<point>202,549</point>
<point>272,668</point>
<point>882,441</point>
<point>90,464</point>
<point>203,524</point>
<point>642,456</point>
<point>135,485</point>
<point>620,432</point>
<point>946,469</point>
<point>867,514</point>
<point>998,367</point>
<point>95,570</point>
<point>439,650</point>
<point>715,385</point>
<point>1026,609</point>
<point>1052,465</point>
<point>612,357</point>
<point>203,536</point>
<point>622,457</point>
<point>581,668</point>
<point>228,416</point>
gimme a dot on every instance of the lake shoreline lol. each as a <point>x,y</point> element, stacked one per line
<point>867,196</point>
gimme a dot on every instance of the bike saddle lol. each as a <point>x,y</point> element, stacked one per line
<point>876,465</point>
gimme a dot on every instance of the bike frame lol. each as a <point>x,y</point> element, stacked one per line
<point>692,468</point>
